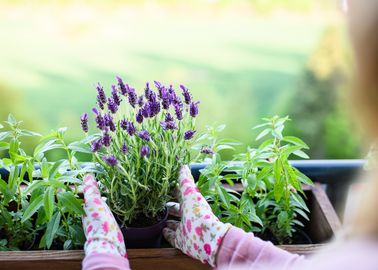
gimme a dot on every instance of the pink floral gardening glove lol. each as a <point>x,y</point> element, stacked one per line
<point>100,228</point>
<point>199,233</point>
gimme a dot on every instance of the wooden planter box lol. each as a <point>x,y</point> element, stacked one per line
<point>321,227</point>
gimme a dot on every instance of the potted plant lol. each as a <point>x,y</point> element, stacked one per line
<point>142,141</point>
<point>39,203</point>
<point>269,199</point>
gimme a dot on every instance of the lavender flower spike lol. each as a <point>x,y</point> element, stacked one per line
<point>106,139</point>
<point>121,86</point>
<point>101,94</point>
<point>84,122</point>
<point>99,119</point>
<point>193,109</point>
<point>124,149</point>
<point>115,95</point>
<point>144,135</point>
<point>186,94</point>
<point>144,151</point>
<point>112,106</point>
<point>189,134</point>
<point>139,117</point>
<point>206,150</point>
<point>111,160</point>
<point>178,112</point>
<point>96,145</point>
<point>132,97</point>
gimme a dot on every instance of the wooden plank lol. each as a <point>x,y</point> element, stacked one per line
<point>140,259</point>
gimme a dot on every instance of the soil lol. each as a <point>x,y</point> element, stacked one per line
<point>299,238</point>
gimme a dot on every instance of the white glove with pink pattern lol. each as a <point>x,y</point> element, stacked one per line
<point>199,233</point>
<point>100,228</point>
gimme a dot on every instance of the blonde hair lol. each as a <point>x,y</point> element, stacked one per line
<point>363,24</point>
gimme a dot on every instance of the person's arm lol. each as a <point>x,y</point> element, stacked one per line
<point>104,247</point>
<point>244,249</point>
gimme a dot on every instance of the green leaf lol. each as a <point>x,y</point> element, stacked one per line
<point>34,186</point>
<point>303,178</point>
<point>12,120</point>
<point>61,132</point>
<point>4,146</point>
<point>3,186</point>
<point>24,132</point>
<point>301,203</point>
<point>45,146</point>
<point>221,147</point>
<point>49,201</point>
<point>80,147</point>
<point>4,135</point>
<point>56,183</point>
<point>33,207</point>
<point>71,202</point>
<point>301,154</point>
<point>261,125</point>
<point>282,219</point>
<point>263,133</point>
<point>295,140</point>
<point>52,228</point>
<point>55,168</point>
<point>223,195</point>
<point>67,244</point>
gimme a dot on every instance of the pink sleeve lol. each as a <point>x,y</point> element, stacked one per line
<point>244,249</point>
<point>105,261</point>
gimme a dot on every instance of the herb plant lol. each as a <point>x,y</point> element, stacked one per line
<point>39,202</point>
<point>142,141</point>
<point>270,201</point>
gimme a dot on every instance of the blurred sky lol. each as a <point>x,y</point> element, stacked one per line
<point>242,61</point>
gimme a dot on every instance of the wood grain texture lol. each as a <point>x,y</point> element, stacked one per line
<point>322,226</point>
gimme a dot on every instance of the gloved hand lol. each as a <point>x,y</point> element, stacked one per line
<point>101,229</point>
<point>199,234</point>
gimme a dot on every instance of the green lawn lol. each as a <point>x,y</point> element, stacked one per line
<point>240,66</point>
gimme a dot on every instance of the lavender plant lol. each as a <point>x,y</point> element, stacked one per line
<point>142,141</point>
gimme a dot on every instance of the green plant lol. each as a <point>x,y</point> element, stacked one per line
<point>143,140</point>
<point>39,200</point>
<point>270,201</point>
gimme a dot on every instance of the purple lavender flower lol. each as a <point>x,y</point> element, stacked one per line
<point>99,119</point>
<point>206,150</point>
<point>178,112</point>
<point>159,88</point>
<point>128,126</point>
<point>193,109</point>
<point>101,98</point>
<point>106,139</point>
<point>168,125</point>
<point>189,134</point>
<point>166,99</point>
<point>115,96</point>
<point>186,94</point>
<point>168,117</point>
<point>144,135</point>
<point>147,91</point>
<point>140,101</point>
<point>110,160</point>
<point>154,107</point>
<point>144,151</point>
<point>96,145</point>
<point>177,101</point>
<point>146,110</point>
<point>121,86</point>
<point>132,97</point>
<point>112,106</point>
<point>124,149</point>
<point>139,116</point>
<point>123,124</point>
<point>108,119</point>
<point>84,122</point>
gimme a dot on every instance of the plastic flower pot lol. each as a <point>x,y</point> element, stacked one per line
<point>145,237</point>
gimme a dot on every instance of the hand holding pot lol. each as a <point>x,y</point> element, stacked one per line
<point>100,228</point>
<point>200,233</point>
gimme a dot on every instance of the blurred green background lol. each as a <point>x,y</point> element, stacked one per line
<point>243,59</point>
